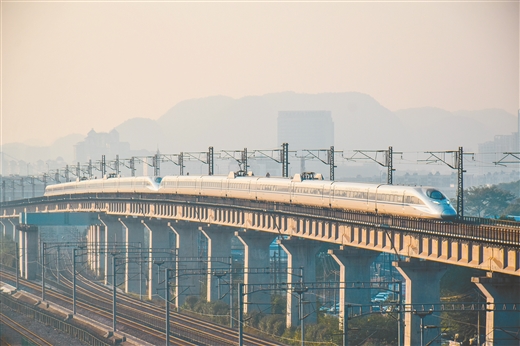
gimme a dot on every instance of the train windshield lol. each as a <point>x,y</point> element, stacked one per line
<point>435,194</point>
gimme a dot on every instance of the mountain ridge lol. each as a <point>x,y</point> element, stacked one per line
<point>360,123</point>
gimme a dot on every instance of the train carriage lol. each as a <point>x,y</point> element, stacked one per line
<point>304,189</point>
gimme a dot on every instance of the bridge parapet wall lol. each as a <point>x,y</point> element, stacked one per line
<point>487,247</point>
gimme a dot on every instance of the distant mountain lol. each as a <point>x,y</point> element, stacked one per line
<point>61,148</point>
<point>225,123</point>
<point>360,121</point>
<point>142,133</point>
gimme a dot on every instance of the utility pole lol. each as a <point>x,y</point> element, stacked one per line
<point>285,160</point>
<point>331,162</point>
<point>43,271</point>
<point>390,165</point>
<point>103,167</point>
<point>132,166</point>
<point>157,165</point>
<point>240,313</point>
<point>388,160</point>
<point>117,166</point>
<point>210,161</point>
<point>181,164</point>
<point>167,287</point>
<point>244,161</point>
<point>460,184</point>
<point>458,164</point>
<point>89,169</point>
<point>114,293</point>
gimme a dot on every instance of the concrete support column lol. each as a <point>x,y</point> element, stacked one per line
<point>502,326</point>
<point>256,255</point>
<point>9,229</point>
<point>219,257</point>
<point>91,247</point>
<point>14,223</point>
<point>422,280</point>
<point>186,246</point>
<point>22,253</point>
<point>2,227</point>
<point>134,240</point>
<point>354,266</point>
<point>95,248</point>
<point>28,251</point>
<point>99,268</point>
<point>301,258</point>
<point>112,230</point>
<point>159,252</point>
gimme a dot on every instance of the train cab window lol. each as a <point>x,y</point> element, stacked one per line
<point>435,194</point>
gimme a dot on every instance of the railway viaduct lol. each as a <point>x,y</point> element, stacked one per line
<point>425,248</point>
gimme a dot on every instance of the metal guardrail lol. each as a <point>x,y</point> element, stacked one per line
<point>56,323</point>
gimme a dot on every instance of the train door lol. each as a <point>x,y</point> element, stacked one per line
<point>401,209</point>
<point>372,199</point>
<point>367,199</point>
<point>248,190</point>
<point>198,186</point>
<point>376,199</point>
<point>330,191</point>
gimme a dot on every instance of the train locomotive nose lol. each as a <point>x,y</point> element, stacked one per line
<point>448,214</point>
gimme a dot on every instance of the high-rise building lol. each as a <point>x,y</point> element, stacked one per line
<point>97,144</point>
<point>502,143</point>
<point>306,129</point>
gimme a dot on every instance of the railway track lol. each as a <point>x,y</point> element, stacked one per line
<point>130,325</point>
<point>24,332</point>
<point>179,323</point>
<point>150,317</point>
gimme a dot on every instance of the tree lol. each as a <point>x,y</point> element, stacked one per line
<point>513,187</point>
<point>513,208</point>
<point>486,201</point>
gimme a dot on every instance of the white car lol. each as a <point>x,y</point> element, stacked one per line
<point>380,297</point>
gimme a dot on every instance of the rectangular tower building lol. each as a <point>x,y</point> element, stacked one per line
<point>306,129</point>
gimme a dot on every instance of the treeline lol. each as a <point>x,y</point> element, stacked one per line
<point>494,201</point>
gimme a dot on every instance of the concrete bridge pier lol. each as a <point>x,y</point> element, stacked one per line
<point>90,247</point>
<point>422,281</point>
<point>301,257</point>
<point>95,249</point>
<point>219,257</point>
<point>111,232</point>
<point>502,326</point>
<point>159,251</point>
<point>134,244</point>
<point>3,226</point>
<point>9,229</point>
<point>27,251</point>
<point>354,266</point>
<point>186,246</point>
<point>256,255</point>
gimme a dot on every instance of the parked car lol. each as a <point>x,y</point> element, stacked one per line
<point>380,297</point>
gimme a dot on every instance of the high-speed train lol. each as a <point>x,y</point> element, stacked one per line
<point>303,189</point>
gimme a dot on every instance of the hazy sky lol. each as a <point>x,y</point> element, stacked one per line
<point>68,67</point>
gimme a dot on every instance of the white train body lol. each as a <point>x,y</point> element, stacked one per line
<point>423,202</point>
<point>112,185</point>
